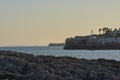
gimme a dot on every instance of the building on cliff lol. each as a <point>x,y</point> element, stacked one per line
<point>110,40</point>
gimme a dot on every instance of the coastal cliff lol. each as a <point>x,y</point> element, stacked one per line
<point>109,40</point>
<point>20,66</point>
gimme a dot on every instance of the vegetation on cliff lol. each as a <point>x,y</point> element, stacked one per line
<point>106,39</point>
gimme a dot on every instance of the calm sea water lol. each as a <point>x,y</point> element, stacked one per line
<point>59,51</point>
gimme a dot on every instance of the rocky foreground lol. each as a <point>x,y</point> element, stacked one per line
<point>20,66</point>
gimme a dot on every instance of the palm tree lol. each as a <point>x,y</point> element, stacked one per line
<point>104,30</point>
<point>100,30</point>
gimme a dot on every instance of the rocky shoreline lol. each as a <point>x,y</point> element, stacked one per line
<point>20,66</point>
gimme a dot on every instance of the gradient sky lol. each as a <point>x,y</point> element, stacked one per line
<point>39,22</point>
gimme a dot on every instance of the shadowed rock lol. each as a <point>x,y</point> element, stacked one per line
<point>20,66</point>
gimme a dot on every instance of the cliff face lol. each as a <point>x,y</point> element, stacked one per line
<point>20,66</point>
<point>92,42</point>
<point>76,43</point>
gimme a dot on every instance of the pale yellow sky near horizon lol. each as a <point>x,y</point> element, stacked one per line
<point>39,22</point>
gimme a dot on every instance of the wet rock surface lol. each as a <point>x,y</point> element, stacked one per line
<point>20,66</point>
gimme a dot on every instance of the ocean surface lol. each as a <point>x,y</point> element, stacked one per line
<point>59,51</point>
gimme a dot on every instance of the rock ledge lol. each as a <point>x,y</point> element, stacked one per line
<point>20,66</point>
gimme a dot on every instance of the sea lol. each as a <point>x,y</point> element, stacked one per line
<point>59,51</point>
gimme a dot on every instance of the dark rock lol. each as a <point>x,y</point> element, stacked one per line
<point>20,66</point>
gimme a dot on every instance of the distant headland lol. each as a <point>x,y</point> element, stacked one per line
<point>107,38</point>
<point>56,44</point>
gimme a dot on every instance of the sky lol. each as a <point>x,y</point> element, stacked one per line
<point>40,22</point>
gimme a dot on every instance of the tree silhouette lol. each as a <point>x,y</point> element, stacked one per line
<point>105,29</point>
<point>100,31</point>
<point>115,29</point>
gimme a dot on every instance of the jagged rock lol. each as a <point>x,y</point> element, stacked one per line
<point>20,66</point>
